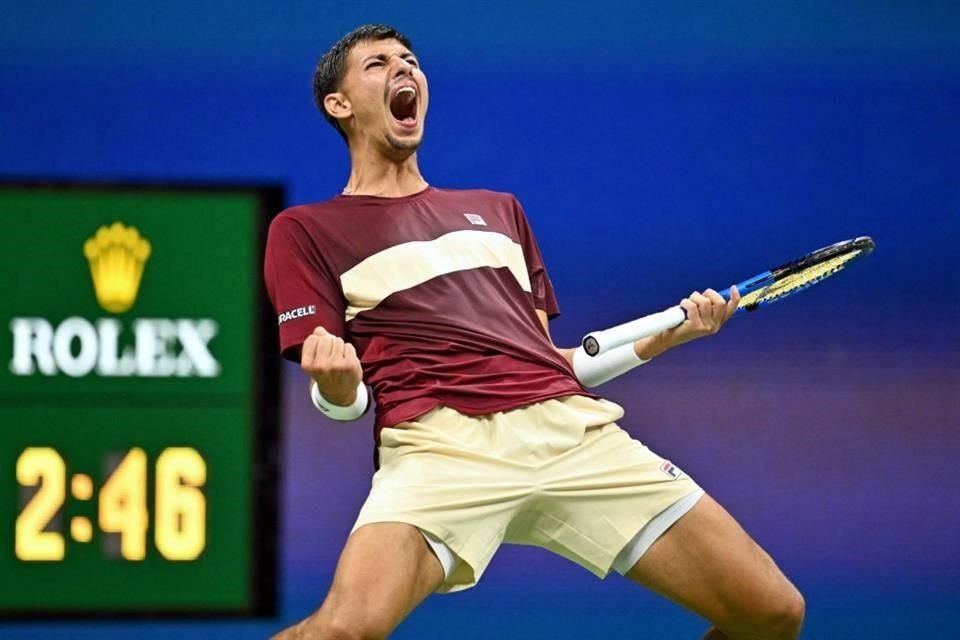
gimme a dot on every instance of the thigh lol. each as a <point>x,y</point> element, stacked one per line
<point>707,563</point>
<point>445,475</point>
<point>596,497</point>
<point>385,570</point>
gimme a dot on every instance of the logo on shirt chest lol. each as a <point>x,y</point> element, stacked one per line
<point>475,218</point>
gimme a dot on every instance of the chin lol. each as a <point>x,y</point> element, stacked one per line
<point>408,144</point>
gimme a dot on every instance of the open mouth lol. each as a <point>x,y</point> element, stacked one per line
<point>403,105</point>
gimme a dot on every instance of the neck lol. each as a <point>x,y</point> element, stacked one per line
<point>373,174</point>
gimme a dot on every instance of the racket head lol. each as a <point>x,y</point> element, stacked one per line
<point>797,275</point>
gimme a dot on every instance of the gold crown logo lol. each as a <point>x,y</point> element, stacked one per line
<point>116,255</point>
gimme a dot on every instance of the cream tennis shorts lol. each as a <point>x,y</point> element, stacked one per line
<point>558,474</point>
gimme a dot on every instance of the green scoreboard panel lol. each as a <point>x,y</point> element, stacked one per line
<point>138,401</point>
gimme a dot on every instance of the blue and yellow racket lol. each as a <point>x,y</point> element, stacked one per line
<point>758,291</point>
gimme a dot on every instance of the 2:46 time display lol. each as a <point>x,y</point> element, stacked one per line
<point>180,509</point>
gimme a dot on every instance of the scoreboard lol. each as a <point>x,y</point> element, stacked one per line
<point>138,401</point>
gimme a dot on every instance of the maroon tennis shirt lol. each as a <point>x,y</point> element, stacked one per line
<point>438,292</point>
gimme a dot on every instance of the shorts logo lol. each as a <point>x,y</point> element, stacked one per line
<point>668,468</point>
<point>475,219</point>
<point>299,312</point>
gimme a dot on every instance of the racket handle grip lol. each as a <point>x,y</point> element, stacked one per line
<point>599,341</point>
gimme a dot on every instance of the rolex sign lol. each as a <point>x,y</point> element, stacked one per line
<point>148,347</point>
<point>120,289</point>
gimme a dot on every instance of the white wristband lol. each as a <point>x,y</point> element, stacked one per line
<point>339,412</point>
<point>593,371</point>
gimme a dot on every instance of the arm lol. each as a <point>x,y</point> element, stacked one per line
<point>306,295</point>
<point>706,314</point>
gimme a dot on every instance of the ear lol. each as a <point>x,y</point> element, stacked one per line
<point>337,105</point>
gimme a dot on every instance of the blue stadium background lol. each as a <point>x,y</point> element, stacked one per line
<point>657,148</point>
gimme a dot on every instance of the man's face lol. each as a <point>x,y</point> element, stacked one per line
<point>387,95</point>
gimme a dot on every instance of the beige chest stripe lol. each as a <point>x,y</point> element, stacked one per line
<point>406,265</point>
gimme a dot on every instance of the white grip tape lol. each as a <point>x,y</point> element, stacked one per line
<point>599,341</point>
<point>339,412</point>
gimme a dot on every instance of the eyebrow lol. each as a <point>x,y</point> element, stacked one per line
<point>384,56</point>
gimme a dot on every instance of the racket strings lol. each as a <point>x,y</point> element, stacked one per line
<point>798,281</point>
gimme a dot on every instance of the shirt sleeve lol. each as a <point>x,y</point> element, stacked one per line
<point>540,285</point>
<point>303,291</point>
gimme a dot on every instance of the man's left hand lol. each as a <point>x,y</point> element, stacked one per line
<point>706,313</point>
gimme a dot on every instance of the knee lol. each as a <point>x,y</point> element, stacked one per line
<point>351,628</point>
<point>784,618</point>
<point>350,623</point>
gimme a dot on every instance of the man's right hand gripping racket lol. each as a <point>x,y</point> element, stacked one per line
<point>760,290</point>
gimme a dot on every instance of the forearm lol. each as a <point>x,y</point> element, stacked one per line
<point>645,349</point>
<point>592,371</point>
<point>652,346</point>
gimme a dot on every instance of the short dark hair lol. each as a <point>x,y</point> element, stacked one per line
<point>333,65</point>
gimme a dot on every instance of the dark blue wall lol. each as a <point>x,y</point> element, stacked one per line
<point>657,149</point>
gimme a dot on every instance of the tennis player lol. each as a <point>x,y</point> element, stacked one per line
<point>438,299</point>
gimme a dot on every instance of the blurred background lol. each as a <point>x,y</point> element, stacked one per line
<point>657,148</point>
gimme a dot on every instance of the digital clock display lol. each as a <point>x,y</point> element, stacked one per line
<point>179,510</point>
<point>138,401</point>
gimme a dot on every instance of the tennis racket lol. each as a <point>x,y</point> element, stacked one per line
<point>758,291</point>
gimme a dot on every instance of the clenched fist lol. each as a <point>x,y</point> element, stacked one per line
<point>333,365</point>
